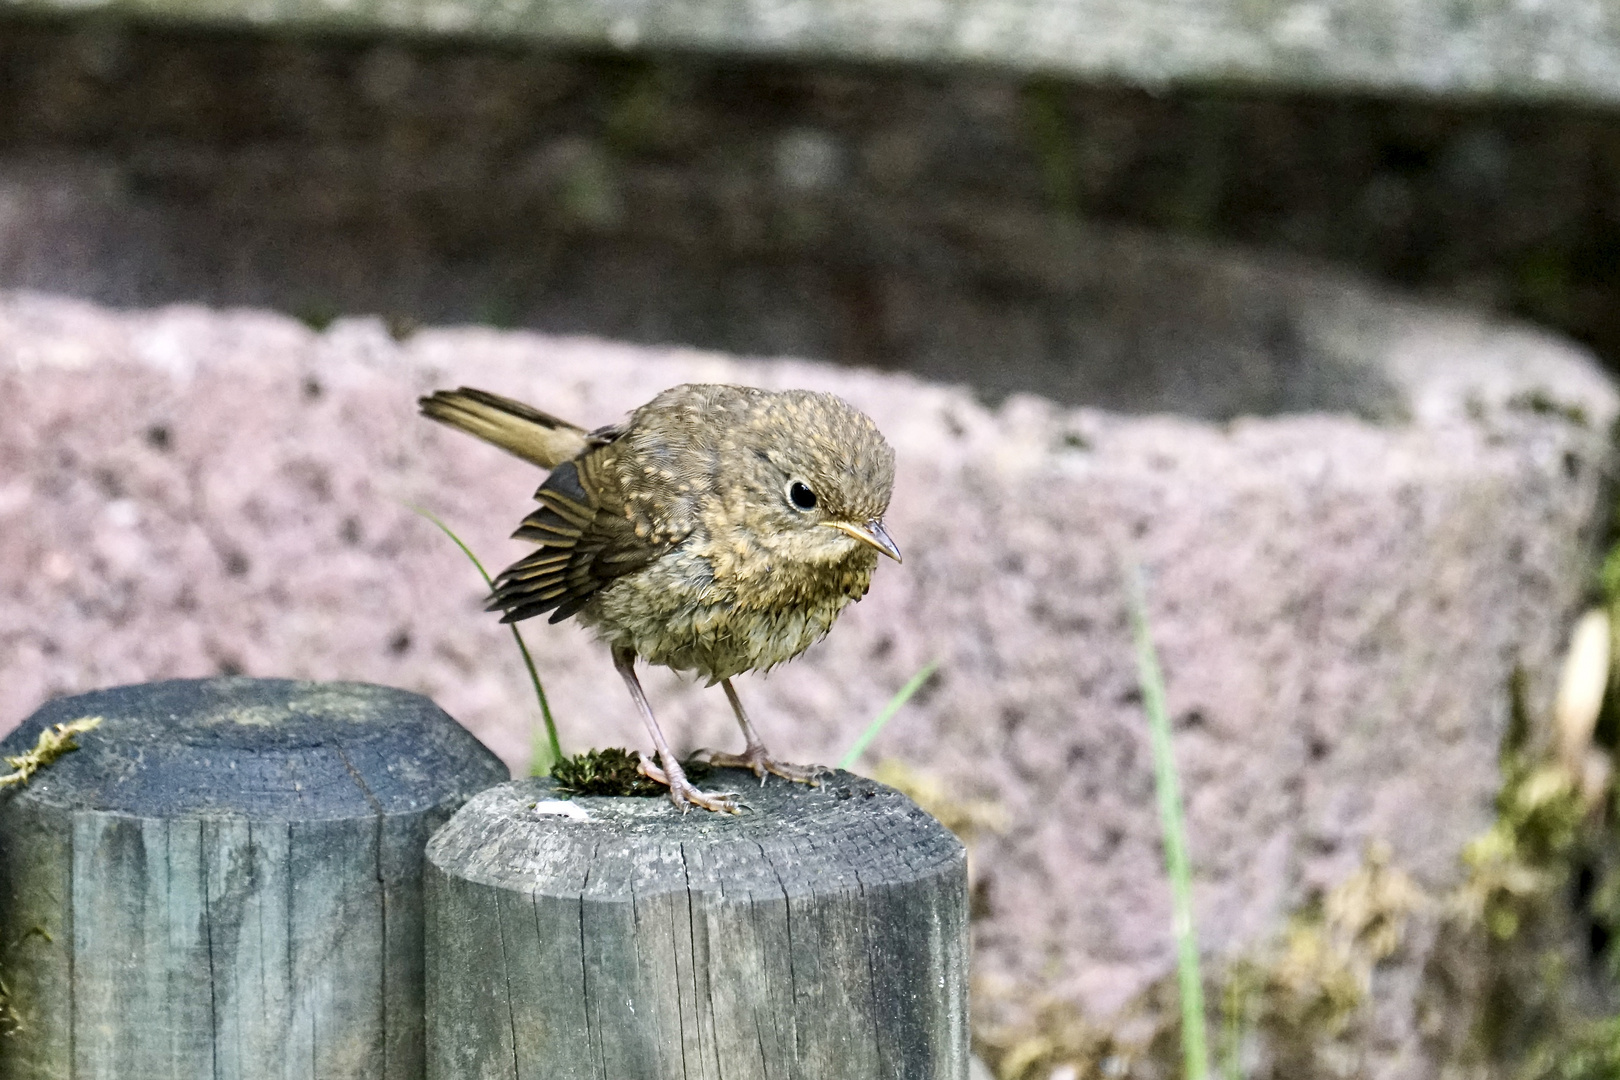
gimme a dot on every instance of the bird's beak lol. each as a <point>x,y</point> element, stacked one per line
<point>871,533</point>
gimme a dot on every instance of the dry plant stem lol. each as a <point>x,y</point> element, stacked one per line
<point>756,757</point>
<point>681,791</point>
<point>53,742</point>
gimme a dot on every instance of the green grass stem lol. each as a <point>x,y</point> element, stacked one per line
<point>1194,1040</point>
<point>886,714</point>
<point>544,756</point>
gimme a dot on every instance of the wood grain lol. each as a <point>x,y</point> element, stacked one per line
<point>821,934</point>
<point>225,882</point>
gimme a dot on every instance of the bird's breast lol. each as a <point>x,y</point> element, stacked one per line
<point>679,612</point>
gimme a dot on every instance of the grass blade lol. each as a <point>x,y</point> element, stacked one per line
<point>541,764</point>
<point>1193,1037</point>
<point>886,714</point>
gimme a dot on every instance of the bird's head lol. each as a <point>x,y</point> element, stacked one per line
<point>818,477</point>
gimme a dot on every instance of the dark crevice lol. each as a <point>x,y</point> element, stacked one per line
<point>871,970</point>
<point>793,980</point>
<point>382,914</point>
<point>692,953</point>
<point>208,939</point>
<point>585,977</point>
<point>382,892</point>
<point>68,930</point>
<point>506,974</point>
<point>288,939</point>
<point>360,783</point>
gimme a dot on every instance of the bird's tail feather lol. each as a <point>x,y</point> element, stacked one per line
<point>511,425</point>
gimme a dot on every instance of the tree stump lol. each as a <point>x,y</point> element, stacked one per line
<point>820,935</point>
<point>225,881</point>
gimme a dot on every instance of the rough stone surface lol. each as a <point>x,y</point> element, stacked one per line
<point>1568,49</point>
<point>1340,600</point>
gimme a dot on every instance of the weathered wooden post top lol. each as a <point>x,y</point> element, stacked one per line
<point>820,935</point>
<point>225,881</point>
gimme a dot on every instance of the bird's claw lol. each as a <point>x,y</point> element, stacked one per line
<point>762,764</point>
<point>683,794</point>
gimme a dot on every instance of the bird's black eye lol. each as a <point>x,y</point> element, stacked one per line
<point>801,496</point>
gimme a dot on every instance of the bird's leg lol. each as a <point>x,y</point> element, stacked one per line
<point>681,791</point>
<point>755,756</point>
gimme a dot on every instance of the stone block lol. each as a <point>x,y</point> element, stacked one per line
<point>1345,581</point>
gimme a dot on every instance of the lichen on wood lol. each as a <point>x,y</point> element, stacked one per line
<point>53,742</point>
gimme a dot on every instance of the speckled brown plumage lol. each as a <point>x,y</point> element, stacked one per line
<point>719,529</point>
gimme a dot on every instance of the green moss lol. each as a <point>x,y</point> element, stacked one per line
<point>1500,993</point>
<point>1542,403</point>
<point>1592,1052</point>
<point>1056,1036</point>
<point>1519,913</point>
<point>1305,998</point>
<point>613,771</point>
<point>1524,858</point>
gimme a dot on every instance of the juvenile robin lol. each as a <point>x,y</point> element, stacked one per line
<point>717,530</point>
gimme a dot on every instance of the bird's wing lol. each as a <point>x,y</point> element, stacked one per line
<point>511,425</point>
<point>586,541</point>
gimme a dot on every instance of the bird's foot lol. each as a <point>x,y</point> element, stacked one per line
<point>757,759</point>
<point>683,794</point>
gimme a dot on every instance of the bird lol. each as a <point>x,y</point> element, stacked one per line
<point>717,530</point>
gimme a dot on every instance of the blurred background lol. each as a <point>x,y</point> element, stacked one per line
<point>1315,301</point>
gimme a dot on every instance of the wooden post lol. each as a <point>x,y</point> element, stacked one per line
<point>821,935</point>
<point>225,882</point>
